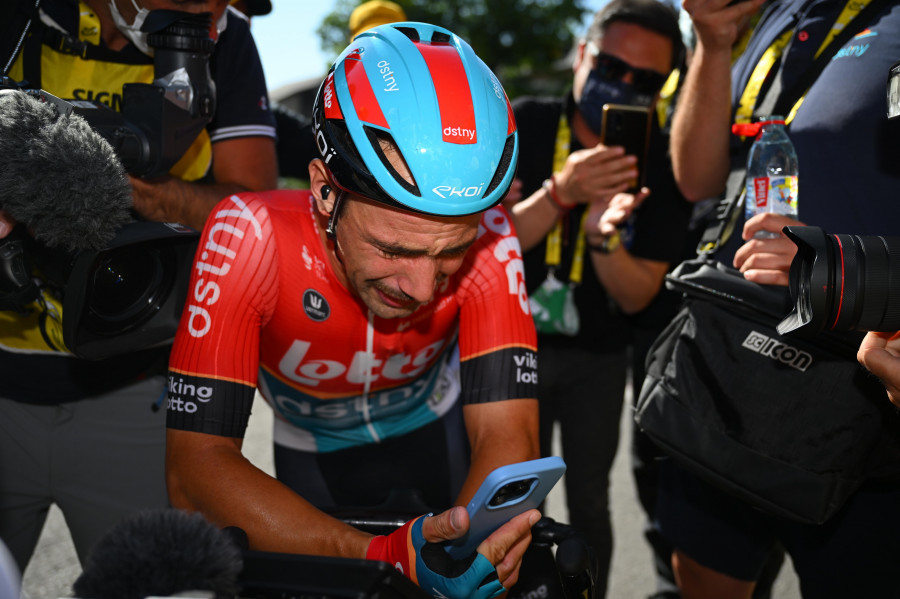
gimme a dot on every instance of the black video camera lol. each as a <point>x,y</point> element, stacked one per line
<point>843,282</point>
<point>129,295</point>
<point>159,121</point>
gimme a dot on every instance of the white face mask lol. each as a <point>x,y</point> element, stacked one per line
<point>133,31</point>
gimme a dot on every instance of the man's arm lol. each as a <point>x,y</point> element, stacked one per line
<point>238,165</point>
<point>208,473</point>
<point>701,125</point>
<point>632,282</point>
<point>500,433</point>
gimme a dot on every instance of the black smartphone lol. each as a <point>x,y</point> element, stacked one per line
<point>629,127</point>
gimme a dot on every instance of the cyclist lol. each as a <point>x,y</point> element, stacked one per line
<point>382,314</point>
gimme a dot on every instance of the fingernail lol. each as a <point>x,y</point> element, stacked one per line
<point>456,518</point>
<point>533,518</point>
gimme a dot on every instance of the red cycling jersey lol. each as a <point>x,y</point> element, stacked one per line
<point>266,310</point>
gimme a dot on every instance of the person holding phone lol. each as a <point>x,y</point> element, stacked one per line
<point>594,253</point>
<point>381,314</point>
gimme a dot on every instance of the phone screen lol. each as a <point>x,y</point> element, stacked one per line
<point>629,127</point>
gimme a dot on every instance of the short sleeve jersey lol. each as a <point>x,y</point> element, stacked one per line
<point>265,309</point>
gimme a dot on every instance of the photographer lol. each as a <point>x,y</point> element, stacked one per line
<point>613,246</point>
<point>89,435</point>
<point>851,553</point>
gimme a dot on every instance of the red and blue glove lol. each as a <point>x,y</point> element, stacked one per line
<point>430,567</point>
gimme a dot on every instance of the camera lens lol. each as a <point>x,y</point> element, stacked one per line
<point>511,491</point>
<point>128,286</point>
<point>844,282</point>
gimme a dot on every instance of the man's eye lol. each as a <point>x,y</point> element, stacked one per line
<point>390,255</point>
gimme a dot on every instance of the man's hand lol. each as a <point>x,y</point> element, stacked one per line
<point>880,354</point>
<point>766,261</point>
<point>6,224</point>
<point>719,25</point>
<point>595,174</point>
<point>490,571</point>
<point>604,218</point>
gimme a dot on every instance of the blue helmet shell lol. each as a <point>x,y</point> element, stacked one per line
<point>423,88</point>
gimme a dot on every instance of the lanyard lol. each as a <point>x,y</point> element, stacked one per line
<point>553,254</point>
<point>750,95</point>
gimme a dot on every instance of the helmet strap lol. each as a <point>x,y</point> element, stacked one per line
<point>331,229</point>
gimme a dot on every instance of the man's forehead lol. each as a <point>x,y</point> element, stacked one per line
<point>389,225</point>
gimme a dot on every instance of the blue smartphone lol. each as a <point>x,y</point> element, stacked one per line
<point>505,493</point>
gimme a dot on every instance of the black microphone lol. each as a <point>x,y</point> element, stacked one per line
<point>161,553</point>
<point>58,177</point>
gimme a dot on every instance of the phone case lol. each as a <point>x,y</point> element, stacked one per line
<point>629,127</point>
<point>505,493</point>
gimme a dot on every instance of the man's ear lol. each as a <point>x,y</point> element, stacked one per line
<point>321,187</point>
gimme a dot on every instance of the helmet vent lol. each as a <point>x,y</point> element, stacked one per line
<point>409,32</point>
<point>379,139</point>
<point>505,161</point>
<point>439,37</point>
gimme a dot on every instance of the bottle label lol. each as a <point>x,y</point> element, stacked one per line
<point>775,194</point>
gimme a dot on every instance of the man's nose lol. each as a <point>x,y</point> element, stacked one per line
<point>420,279</point>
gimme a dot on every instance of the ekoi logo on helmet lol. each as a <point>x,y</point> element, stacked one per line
<point>448,191</point>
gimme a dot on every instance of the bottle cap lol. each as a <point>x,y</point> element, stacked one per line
<point>752,129</point>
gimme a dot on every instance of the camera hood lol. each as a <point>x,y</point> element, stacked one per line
<point>128,296</point>
<point>810,270</point>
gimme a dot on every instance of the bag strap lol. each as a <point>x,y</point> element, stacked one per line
<point>776,101</point>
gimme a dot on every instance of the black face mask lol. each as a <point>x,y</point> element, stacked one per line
<point>599,91</point>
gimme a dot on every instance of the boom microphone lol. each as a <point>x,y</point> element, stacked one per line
<point>58,177</point>
<point>161,553</point>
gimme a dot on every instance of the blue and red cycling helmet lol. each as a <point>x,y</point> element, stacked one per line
<point>424,89</point>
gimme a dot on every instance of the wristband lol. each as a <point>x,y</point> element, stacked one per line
<point>550,186</point>
<point>430,567</point>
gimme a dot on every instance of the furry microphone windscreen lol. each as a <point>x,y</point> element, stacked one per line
<point>58,176</point>
<point>161,552</point>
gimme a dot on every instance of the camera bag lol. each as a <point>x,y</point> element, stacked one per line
<point>790,425</point>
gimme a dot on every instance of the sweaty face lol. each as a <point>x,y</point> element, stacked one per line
<point>395,260</point>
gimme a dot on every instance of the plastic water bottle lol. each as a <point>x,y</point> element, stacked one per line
<point>772,173</point>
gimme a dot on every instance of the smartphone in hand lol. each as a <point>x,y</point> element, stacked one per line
<point>629,127</point>
<point>505,493</point>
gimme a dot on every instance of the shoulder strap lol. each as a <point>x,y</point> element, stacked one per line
<point>776,101</point>
<point>16,18</point>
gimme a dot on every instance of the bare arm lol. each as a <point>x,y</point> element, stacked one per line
<point>243,164</point>
<point>632,282</point>
<point>500,433</point>
<point>701,125</point>
<point>207,473</point>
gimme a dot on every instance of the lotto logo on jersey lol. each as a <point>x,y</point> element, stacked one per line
<point>364,367</point>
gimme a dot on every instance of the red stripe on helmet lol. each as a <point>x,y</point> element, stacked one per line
<point>510,119</point>
<point>329,99</point>
<point>364,101</point>
<point>453,94</point>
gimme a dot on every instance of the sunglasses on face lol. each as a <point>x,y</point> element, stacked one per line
<point>611,68</point>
